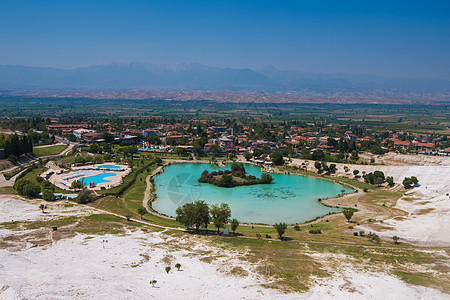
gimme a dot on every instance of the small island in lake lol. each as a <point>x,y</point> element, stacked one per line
<point>234,177</point>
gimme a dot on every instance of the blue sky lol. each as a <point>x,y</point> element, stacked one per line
<point>391,38</point>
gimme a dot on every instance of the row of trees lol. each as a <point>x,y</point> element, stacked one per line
<point>194,215</point>
<point>16,145</point>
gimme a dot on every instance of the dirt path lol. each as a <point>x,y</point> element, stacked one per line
<point>147,194</point>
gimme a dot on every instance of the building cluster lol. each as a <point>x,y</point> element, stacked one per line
<point>169,137</point>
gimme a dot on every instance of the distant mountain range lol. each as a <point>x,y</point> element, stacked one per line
<point>205,78</point>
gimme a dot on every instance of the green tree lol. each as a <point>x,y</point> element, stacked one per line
<point>348,213</point>
<point>226,181</point>
<point>280,228</point>
<point>20,184</point>
<point>232,156</point>
<point>220,215</point>
<point>98,159</point>
<point>258,152</point>
<point>355,172</point>
<point>48,195</point>
<point>318,155</point>
<point>234,225</point>
<point>318,166</point>
<point>76,184</point>
<point>277,158</point>
<point>237,166</point>
<point>168,269</point>
<point>47,185</point>
<point>248,155</point>
<point>94,148</point>
<point>31,189</point>
<point>42,207</point>
<point>181,151</point>
<point>108,137</point>
<point>390,180</point>
<point>354,156</point>
<point>141,211</point>
<point>178,266</point>
<point>84,196</point>
<point>193,214</point>
<point>266,177</point>
<point>332,168</point>
<point>215,150</point>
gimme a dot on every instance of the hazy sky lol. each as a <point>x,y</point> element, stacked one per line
<point>394,38</point>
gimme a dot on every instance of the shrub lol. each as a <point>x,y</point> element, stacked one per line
<point>315,231</point>
<point>355,233</point>
<point>297,228</point>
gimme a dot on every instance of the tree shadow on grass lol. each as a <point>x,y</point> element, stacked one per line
<point>211,232</point>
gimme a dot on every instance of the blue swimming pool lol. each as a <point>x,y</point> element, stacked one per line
<point>99,178</point>
<point>109,167</point>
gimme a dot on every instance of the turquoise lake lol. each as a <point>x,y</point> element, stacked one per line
<point>289,198</point>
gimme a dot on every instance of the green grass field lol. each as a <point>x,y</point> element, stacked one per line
<point>51,150</point>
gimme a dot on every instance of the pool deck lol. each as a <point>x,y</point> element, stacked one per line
<point>65,179</point>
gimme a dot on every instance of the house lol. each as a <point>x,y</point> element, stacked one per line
<point>424,146</point>
<point>148,132</point>
<point>81,131</point>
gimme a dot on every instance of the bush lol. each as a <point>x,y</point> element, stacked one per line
<point>355,233</point>
<point>297,228</point>
<point>374,237</point>
<point>315,231</point>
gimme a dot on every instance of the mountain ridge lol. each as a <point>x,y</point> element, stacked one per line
<point>202,77</point>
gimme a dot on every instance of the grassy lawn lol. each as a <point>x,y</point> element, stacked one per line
<point>294,264</point>
<point>52,150</point>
